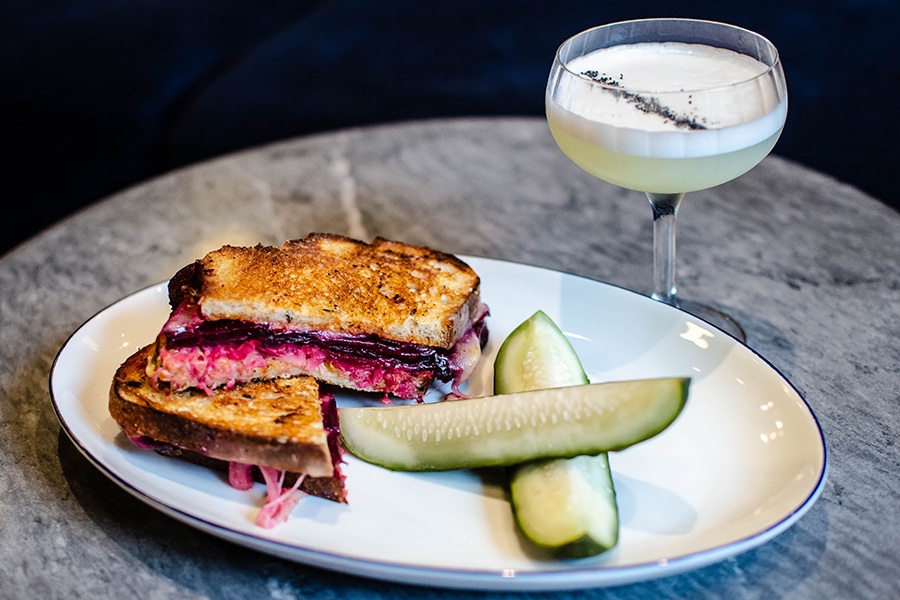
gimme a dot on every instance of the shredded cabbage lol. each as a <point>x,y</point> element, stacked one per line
<point>280,501</point>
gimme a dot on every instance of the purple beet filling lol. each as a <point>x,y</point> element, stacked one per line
<point>398,355</point>
<point>331,424</point>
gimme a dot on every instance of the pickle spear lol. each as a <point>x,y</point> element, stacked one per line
<point>513,428</point>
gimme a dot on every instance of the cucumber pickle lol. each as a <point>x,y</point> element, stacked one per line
<point>512,428</point>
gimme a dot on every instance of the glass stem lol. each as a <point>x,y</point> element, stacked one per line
<point>665,211</point>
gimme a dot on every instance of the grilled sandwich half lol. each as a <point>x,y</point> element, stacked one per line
<point>383,317</point>
<point>281,432</point>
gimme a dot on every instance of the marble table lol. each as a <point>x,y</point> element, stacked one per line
<point>808,265</point>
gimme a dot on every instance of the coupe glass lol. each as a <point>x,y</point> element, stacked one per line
<point>666,107</point>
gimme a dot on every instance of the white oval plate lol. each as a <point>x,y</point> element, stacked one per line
<point>742,463</point>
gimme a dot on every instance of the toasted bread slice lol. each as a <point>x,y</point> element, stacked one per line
<point>274,423</point>
<point>396,291</point>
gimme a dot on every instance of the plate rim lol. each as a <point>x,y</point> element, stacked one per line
<point>495,580</point>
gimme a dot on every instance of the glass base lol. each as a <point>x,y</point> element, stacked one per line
<point>714,316</point>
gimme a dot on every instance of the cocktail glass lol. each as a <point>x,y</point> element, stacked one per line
<point>666,107</point>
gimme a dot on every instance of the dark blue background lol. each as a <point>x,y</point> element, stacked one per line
<point>98,95</point>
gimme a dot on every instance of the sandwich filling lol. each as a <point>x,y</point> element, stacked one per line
<point>193,352</point>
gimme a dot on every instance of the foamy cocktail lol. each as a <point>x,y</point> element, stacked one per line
<point>665,107</point>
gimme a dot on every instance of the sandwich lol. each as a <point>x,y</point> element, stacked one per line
<point>384,317</point>
<point>282,432</point>
<point>241,376</point>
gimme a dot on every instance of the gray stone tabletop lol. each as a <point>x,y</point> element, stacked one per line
<point>809,266</point>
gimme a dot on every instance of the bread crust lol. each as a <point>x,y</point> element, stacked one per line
<point>394,290</point>
<point>275,423</point>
